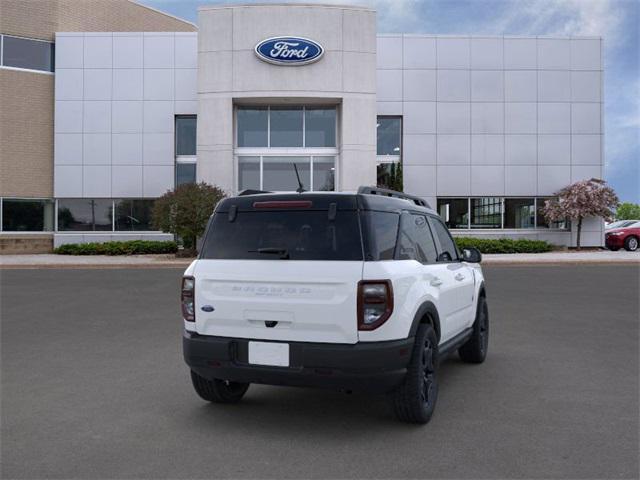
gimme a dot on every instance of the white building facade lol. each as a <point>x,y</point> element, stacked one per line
<point>484,128</point>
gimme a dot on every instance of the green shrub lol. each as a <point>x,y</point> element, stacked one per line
<point>131,247</point>
<point>504,245</point>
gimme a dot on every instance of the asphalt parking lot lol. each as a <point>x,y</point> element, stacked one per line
<point>94,386</point>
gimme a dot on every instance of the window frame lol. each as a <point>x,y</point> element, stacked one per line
<point>268,146</point>
<point>51,201</point>
<point>389,159</point>
<point>268,151</point>
<point>22,69</point>
<point>261,162</point>
<point>536,227</point>
<point>183,159</point>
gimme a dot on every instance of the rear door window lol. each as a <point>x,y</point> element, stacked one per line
<point>415,241</point>
<point>284,235</point>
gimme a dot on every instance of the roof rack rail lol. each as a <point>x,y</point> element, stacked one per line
<point>392,193</point>
<point>252,192</point>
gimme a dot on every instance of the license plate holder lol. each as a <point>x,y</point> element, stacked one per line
<point>269,353</point>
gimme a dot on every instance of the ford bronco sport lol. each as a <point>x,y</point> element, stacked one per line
<point>354,291</point>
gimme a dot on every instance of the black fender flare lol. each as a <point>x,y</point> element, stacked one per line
<point>426,309</point>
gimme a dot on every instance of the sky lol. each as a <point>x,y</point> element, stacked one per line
<point>617,21</point>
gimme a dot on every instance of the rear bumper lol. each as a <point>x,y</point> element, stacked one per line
<point>371,367</point>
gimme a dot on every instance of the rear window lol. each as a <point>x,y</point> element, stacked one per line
<point>284,235</point>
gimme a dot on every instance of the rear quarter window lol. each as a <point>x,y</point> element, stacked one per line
<point>302,234</point>
<point>381,234</point>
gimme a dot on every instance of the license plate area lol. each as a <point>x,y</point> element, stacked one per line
<point>269,353</point>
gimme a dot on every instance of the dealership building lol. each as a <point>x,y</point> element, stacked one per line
<point>107,105</point>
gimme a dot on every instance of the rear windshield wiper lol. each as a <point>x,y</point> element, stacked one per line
<point>283,252</point>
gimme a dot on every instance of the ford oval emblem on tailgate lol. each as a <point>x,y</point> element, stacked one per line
<point>207,308</point>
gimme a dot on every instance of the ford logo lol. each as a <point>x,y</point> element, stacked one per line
<point>289,51</point>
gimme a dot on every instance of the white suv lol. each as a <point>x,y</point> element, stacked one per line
<point>353,291</point>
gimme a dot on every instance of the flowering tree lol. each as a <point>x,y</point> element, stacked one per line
<point>586,198</point>
<point>186,210</point>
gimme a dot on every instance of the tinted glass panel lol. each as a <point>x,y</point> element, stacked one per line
<point>25,53</point>
<point>320,127</point>
<point>542,222</point>
<point>486,212</point>
<point>272,235</point>
<point>252,127</point>
<point>389,133</point>
<point>185,173</point>
<point>186,135</point>
<point>415,241</point>
<point>448,250</point>
<point>324,174</point>
<point>286,127</point>
<point>27,215</point>
<point>382,231</point>
<point>133,215</point>
<point>81,214</point>
<point>389,175</point>
<point>279,173</point>
<point>519,213</point>
<point>248,173</point>
<point>454,212</point>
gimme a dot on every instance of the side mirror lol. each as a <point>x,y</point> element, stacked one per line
<point>471,255</point>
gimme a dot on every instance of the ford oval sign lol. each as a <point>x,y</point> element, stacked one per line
<point>289,51</point>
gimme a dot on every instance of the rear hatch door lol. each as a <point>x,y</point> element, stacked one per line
<point>281,272</point>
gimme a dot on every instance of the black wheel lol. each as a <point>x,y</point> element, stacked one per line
<point>475,349</point>
<point>415,400</point>
<point>218,391</point>
<point>631,244</point>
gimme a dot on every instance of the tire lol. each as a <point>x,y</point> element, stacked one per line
<point>631,243</point>
<point>475,349</point>
<point>414,401</point>
<point>218,391</point>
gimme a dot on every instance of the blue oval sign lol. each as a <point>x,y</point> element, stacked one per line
<point>289,50</point>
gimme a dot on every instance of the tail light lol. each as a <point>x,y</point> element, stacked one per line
<point>375,303</point>
<point>187,299</point>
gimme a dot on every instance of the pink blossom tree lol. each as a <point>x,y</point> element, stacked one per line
<point>586,198</point>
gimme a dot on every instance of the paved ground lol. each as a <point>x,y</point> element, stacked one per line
<point>157,261</point>
<point>93,386</point>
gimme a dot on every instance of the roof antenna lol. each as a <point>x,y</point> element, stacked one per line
<point>300,188</point>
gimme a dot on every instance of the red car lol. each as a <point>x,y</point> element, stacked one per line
<point>627,237</point>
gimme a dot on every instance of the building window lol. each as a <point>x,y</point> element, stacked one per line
<point>27,215</point>
<point>285,148</point>
<point>542,222</point>
<point>286,127</point>
<point>454,212</point>
<point>486,212</point>
<point>519,213</point>
<point>281,173</point>
<point>389,152</point>
<point>133,215</point>
<point>28,54</point>
<point>496,212</point>
<point>186,160</point>
<point>85,215</point>
<point>104,215</point>
<point>253,126</point>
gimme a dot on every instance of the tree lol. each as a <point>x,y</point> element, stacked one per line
<point>628,211</point>
<point>586,198</point>
<point>186,210</point>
